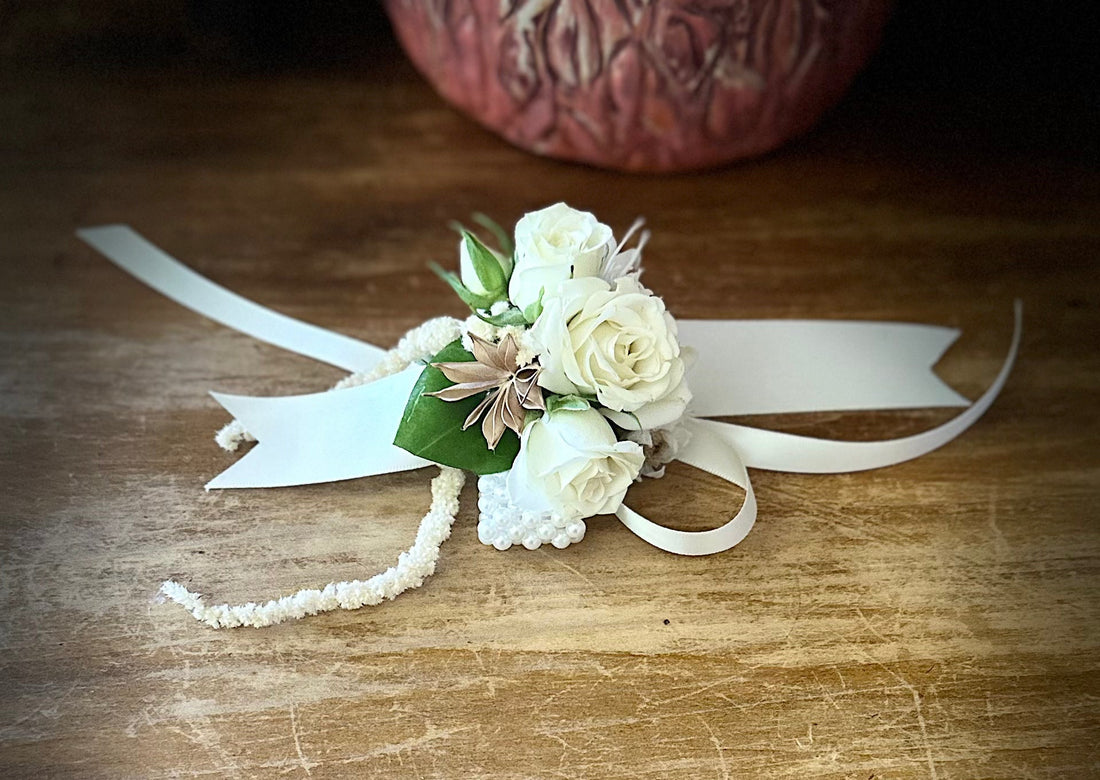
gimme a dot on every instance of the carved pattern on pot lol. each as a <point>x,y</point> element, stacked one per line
<point>641,84</point>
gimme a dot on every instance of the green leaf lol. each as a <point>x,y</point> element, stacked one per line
<point>471,299</point>
<point>570,403</point>
<point>503,239</point>
<point>511,316</point>
<point>530,416</point>
<point>532,312</point>
<point>432,428</point>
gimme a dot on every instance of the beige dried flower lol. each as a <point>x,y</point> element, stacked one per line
<point>509,389</point>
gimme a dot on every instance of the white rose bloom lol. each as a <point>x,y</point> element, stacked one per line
<point>555,244</point>
<point>570,463</point>
<point>618,344</point>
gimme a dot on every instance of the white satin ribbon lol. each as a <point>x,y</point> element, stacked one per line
<point>777,451</point>
<point>321,437</point>
<point>710,452</point>
<point>787,366</point>
<point>171,278</point>
<point>746,367</point>
<point>725,450</point>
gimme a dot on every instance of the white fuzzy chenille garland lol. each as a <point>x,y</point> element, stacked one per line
<point>413,566</point>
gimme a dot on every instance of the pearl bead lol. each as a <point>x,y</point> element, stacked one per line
<point>502,524</point>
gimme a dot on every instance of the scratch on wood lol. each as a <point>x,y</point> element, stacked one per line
<point>490,685</point>
<point>923,729</point>
<point>298,740</point>
<point>207,738</point>
<point>723,769</point>
<point>697,691</point>
<point>999,541</point>
<point>809,739</point>
<point>825,691</point>
<point>431,735</point>
<point>913,691</point>
<point>569,568</point>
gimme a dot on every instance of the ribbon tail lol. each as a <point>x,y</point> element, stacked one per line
<point>322,437</point>
<point>725,450</point>
<point>171,278</point>
<point>786,366</point>
<point>787,452</point>
<point>710,451</point>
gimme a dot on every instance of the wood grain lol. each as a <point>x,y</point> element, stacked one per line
<point>935,619</point>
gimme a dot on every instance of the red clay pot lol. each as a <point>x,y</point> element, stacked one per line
<point>641,85</point>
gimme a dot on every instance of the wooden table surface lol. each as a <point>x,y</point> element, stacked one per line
<point>934,619</point>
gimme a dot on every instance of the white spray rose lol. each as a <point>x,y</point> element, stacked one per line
<point>468,272</point>
<point>569,462</point>
<point>616,343</point>
<point>555,244</point>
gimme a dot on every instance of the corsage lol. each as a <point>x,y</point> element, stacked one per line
<point>568,382</point>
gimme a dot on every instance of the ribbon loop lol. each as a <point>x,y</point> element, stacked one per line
<point>708,451</point>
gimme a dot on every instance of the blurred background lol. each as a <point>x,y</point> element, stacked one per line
<point>1019,74</point>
